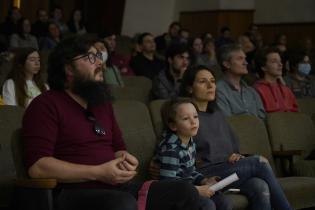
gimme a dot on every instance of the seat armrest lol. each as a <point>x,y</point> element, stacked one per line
<point>36,183</point>
<point>286,153</point>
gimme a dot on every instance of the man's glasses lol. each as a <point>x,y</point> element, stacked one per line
<point>98,129</point>
<point>91,56</point>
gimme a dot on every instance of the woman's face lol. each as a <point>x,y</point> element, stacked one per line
<point>32,63</point>
<point>197,46</point>
<point>203,88</point>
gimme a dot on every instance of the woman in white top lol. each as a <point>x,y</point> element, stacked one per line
<point>25,82</point>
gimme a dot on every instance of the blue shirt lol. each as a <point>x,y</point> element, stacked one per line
<point>177,160</point>
<point>236,102</point>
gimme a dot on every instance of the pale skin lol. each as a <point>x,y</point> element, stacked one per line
<point>119,170</point>
<point>185,126</point>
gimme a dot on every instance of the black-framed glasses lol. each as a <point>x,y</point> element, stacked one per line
<point>98,129</point>
<point>91,56</point>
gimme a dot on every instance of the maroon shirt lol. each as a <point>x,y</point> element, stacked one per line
<point>55,125</point>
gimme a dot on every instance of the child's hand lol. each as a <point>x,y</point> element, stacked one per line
<point>205,191</point>
<point>154,170</point>
<point>210,180</point>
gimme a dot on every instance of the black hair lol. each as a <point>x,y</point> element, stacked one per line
<point>142,36</point>
<point>176,48</point>
<point>62,55</point>
<point>261,58</point>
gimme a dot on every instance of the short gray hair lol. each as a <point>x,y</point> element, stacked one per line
<point>225,53</point>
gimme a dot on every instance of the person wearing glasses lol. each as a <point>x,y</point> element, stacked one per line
<point>25,81</point>
<point>70,134</point>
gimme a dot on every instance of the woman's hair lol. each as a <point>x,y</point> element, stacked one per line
<point>188,81</point>
<point>296,58</point>
<point>18,75</point>
<point>169,108</point>
<point>71,24</point>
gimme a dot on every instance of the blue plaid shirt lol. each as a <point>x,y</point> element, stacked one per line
<point>177,160</point>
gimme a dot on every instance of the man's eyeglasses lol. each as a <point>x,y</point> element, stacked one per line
<point>91,56</point>
<point>98,129</point>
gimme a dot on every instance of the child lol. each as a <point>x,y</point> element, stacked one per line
<point>176,152</point>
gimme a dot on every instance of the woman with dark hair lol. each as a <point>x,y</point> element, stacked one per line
<point>76,22</point>
<point>23,38</point>
<point>25,82</point>
<point>218,147</point>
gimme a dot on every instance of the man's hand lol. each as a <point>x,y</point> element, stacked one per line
<point>130,162</point>
<point>111,173</point>
<point>210,180</point>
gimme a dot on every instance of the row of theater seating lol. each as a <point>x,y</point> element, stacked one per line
<point>289,134</point>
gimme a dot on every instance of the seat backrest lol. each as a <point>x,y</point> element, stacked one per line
<point>295,131</point>
<point>130,93</point>
<point>10,123</point>
<point>138,81</point>
<point>253,136</point>
<point>306,105</point>
<point>155,110</point>
<point>135,123</point>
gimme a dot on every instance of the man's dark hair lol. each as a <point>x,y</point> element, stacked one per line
<point>176,49</point>
<point>261,58</point>
<point>175,23</point>
<point>224,29</point>
<point>142,36</point>
<point>62,55</point>
<point>106,33</point>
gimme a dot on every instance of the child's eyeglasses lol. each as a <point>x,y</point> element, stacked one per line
<point>98,129</point>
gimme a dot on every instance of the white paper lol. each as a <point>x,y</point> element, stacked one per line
<point>224,182</point>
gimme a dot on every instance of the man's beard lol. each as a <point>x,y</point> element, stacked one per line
<point>94,92</point>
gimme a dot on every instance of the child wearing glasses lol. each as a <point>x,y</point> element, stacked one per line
<point>176,152</point>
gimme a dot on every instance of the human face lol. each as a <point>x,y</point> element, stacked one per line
<point>237,64</point>
<point>32,64</point>
<point>111,41</point>
<point>83,67</point>
<point>174,30</point>
<point>26,26</point>
<point>77,15</point>
<point>54,30</point>
<point>42,16</point>
<point>203,88</point>
<point>179,63</point>
<point>186,121</point>
<point>57,14</point>
<point>148,44</point>
<point>273,66</point>
<point>197,46</point>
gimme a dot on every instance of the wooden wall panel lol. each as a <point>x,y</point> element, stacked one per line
<point>211,21</point>
<point>296,32</point>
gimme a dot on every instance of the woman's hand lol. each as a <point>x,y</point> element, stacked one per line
<point>235,157</point>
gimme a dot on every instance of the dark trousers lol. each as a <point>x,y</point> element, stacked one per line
<point>166,195</point>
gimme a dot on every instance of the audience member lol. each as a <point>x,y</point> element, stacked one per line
<point>208,57</point>
<point>164,41</point>
<point>184,35</point>
<point>308,48</point>
<point>40,27</point>
<point>122,62</point>
<point>299,80</point>
<point>249,49</point>
<point>10,25</point>
<point>71,135</point>
<point>166,84</point>
<point>26,82</point>
<point>196,49</point>
<point>111,74</point>
<point>281,45</point>
<point>145,63</point>
<point>234,96</point>
<point>52,39</point>
<point>76,23</point>
<point>57,17</point>
<point>218,147</point>
<point>23,37</point>
<point>176,152</point>
<point>224,38</point>
<point>276,96</point>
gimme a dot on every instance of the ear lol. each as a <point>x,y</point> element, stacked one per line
<point>172,126</point>
<point>170,60</point>
<point>189,90</point>
<point>69,70</point>
<point>226,64</point>
<point>263,68</point>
